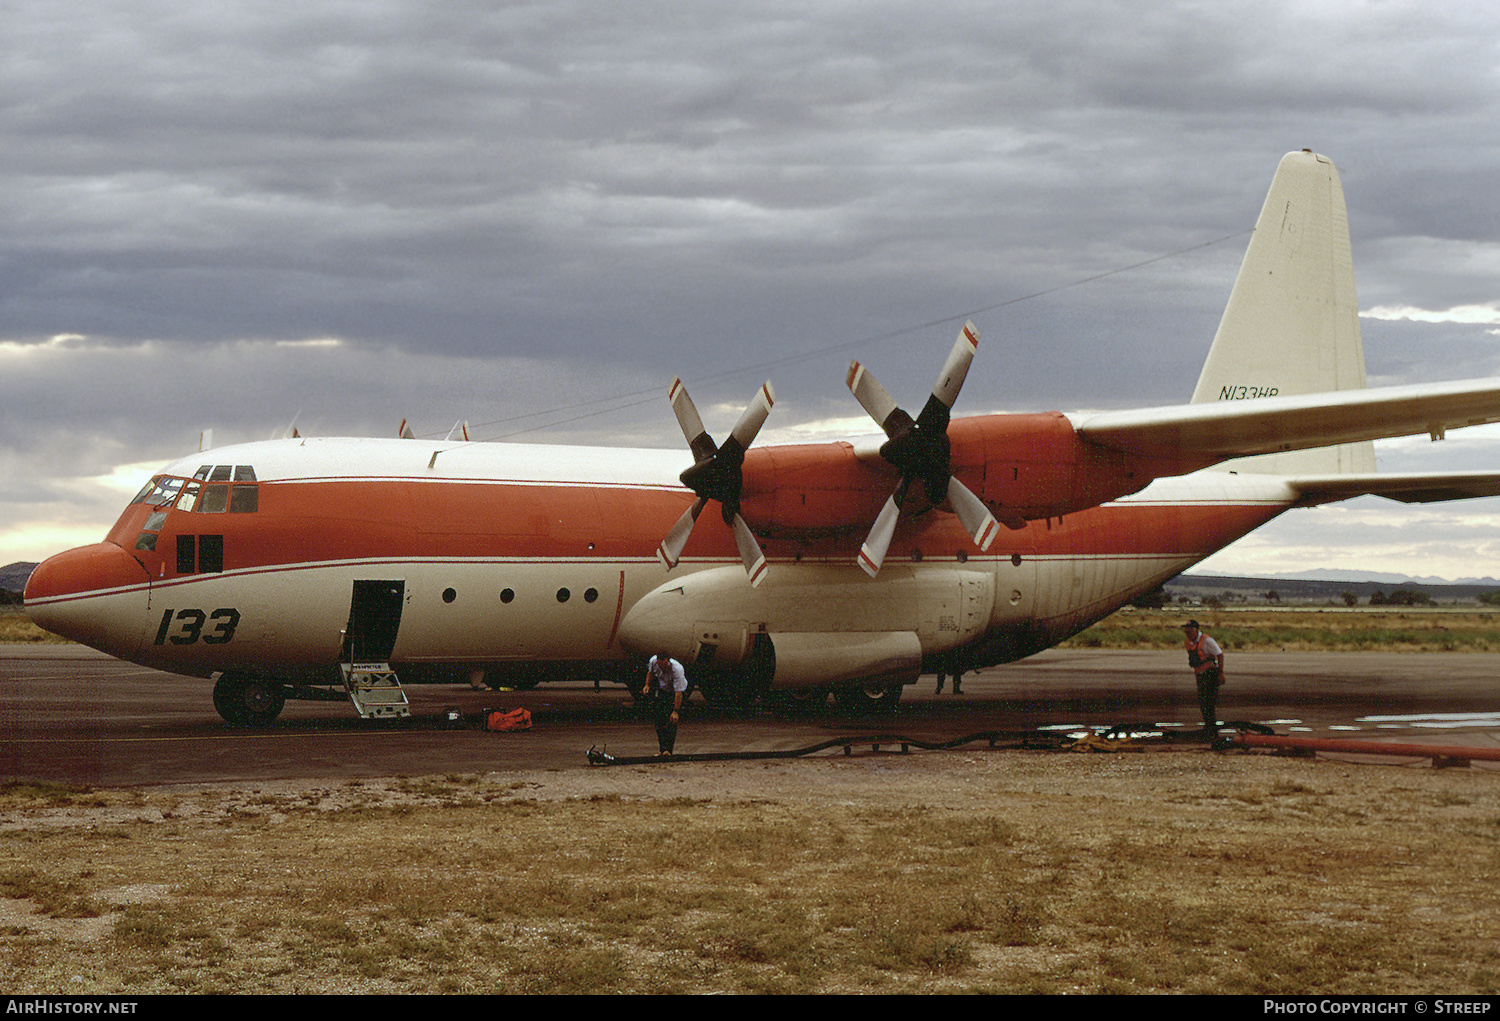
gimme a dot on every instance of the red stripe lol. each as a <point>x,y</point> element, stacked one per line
<point>394,521</point>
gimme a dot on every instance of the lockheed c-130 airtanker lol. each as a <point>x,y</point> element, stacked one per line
<point>345,568</point>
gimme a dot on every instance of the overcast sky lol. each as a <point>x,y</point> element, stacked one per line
<point>532,215</point>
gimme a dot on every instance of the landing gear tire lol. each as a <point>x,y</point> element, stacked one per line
<point>864,699</point>
<point>798,701</point>
<point>247,702</point>
<point>738,685</point>
<point>728,689</point>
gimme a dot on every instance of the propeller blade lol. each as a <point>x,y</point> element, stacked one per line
<point>919,449</point>
<point>957,367</point>
<point>717,474</point>
<point>875,399</point>
<point>688,418</point>
<point>872,553</point>
<point>750,551</point>
<point>976,517</point>
<point>754,416</point>
<point>670,550</point>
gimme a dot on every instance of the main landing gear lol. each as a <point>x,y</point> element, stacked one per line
<point>861,699</point>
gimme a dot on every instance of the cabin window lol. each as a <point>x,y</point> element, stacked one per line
<point>200,554</point>
<point>187,554</point>
<point>211,554</point>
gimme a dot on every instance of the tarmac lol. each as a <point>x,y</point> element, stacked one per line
<point>69,714</point>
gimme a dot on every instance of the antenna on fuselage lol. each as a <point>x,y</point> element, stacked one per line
<point>290,432</point>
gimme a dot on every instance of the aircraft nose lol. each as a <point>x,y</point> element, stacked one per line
<point>97,595</point>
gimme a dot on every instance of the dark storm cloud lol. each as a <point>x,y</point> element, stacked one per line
<point>502,207</point>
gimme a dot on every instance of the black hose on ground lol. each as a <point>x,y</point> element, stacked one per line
<point>1021,739</point>
<point>996,738</point>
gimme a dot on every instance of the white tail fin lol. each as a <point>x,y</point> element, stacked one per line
<point>1292,323</point>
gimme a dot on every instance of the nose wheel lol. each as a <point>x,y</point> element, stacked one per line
<point>247,702</point>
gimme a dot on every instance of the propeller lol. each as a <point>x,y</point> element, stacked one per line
<point>920,451</point>
<point>717,474</point>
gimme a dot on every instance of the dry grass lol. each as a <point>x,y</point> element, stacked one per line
<point>15,626</point>
<point>1299,630</point>
<point>1181,871</point>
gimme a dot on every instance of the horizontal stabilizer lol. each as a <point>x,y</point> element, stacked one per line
<point>1202,434</point>
<point>1419,487</point>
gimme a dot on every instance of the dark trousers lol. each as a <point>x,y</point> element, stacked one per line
<point>1208,698</point>
<point>666,729</point>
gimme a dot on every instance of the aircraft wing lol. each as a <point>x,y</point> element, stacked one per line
<point>1209,432</point>
<point>1418,487</point>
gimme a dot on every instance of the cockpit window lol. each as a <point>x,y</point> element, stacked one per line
<point>215,500</point>
<point>194,495</point>
<point>225,473</point>
<point>160,491</point>
<point>244,499</point>
<point>189,498</point>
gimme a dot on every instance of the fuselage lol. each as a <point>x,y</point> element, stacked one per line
<point>283,558</point>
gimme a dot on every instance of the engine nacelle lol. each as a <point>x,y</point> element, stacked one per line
<point>826,623</point>
<point>1024,468</point>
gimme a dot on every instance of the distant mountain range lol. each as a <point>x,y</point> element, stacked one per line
<point>13,577</point>
<point>1329,588</point>
<point>1379,577</point>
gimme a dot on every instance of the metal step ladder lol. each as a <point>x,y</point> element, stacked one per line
<point>375,690</point>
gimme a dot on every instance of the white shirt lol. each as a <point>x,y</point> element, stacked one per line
<point>672,679</point>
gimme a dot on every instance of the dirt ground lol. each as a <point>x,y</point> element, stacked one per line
<point>1167,870</point>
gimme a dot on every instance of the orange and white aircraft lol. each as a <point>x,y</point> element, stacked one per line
<point>333,568</point>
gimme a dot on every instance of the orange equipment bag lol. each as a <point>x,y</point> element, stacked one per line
<point>516,719</point>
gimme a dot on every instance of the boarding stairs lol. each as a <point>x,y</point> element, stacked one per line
<point>375,690</point>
